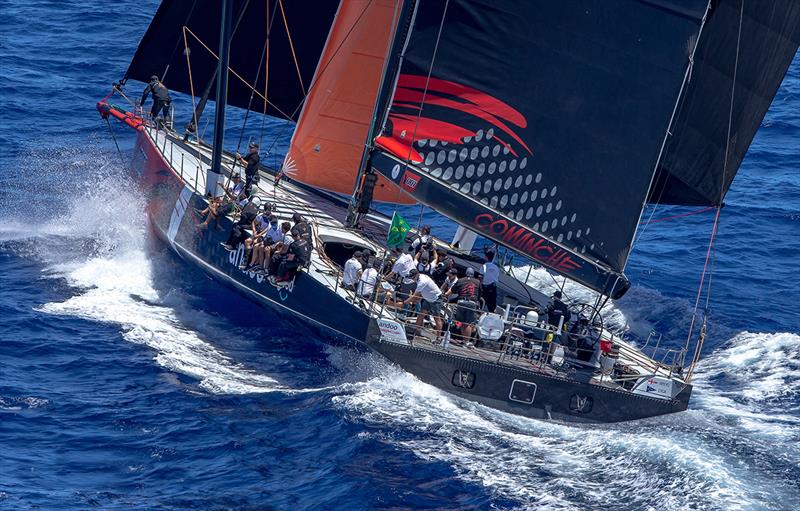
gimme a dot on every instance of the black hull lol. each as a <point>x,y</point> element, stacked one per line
<point>309,302</point>
<point>553,399</point>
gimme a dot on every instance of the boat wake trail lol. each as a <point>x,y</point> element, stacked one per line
<point>117,290</point>
<point>711,457</point>
<point>98,246</point>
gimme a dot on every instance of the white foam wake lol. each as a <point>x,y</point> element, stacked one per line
<point>657,463</point>
<point>98,246</point>
<point>753,382</point>
<point>117,290</point>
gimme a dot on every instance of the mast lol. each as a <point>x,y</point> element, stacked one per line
<point>213,173</point>
<point>385,92</point>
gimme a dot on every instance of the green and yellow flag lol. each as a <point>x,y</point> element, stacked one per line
<point>397,232</point>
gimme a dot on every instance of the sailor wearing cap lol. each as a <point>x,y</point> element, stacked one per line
<point>250,163</point>
<point>430,296</point>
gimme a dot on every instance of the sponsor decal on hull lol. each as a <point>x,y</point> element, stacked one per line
<point>392,331</point>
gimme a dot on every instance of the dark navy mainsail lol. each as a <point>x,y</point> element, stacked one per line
<point>539,124</point>
<point>161,50</point>
<point>693,170</point>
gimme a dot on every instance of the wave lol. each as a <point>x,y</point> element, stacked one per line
<point>97,244</point>
<point>711,457</point>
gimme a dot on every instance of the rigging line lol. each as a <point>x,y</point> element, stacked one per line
<point>191,88</point>
<point>178,41</point>
<point>713,247</point>
<point>246,115</point>
<point>425,91</point>
<point>269,21</point>
<point>191,81</point>
<point>291,47</point>
<point>114,138</point>
<point>672,217</point>
<point>730,109</point>
<point>700,287</point>
<point>237,75</point>
<point>320,73</point>
<point>681,95</point>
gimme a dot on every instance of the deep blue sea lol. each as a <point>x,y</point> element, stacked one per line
<point>128,380</point>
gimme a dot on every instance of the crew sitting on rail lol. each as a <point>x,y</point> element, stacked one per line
<point>423,238</point>
<point>301,233</point>
<point>161,99</point>
<point>468,289</point>
<point>276,254</point>
<point>211,212</point>
<point>259,229</point>
<point>352,271</point>
<point>430,297</point>
<point>556,310</point>
<point>238,233</point>
<point>292,261</point>
<point>236,190</point>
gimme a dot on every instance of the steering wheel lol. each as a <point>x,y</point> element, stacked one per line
<point>595,321</point>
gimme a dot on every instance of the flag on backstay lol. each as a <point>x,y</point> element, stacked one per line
<point>397,231</point>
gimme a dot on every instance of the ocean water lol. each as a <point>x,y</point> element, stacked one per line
<point>128,380</point>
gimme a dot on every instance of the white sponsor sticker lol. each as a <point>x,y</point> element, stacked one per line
<point>392,331</point>
<point>656,386</point>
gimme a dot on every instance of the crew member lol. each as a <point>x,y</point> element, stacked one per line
<point>557,309</point>
<point>250,162</point>
<point>352,271</point>
<point>491,274</point>
<point>468,289</point>
<point>161,99</point>
<point>431,297</point>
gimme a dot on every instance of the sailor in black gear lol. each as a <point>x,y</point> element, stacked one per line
<point>556,309</point>
<point>161,99</point>
<point>250,162</point>
<point>238,233</point>
<point>301,234</point>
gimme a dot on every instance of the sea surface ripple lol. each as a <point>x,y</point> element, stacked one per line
<point>128,380</point>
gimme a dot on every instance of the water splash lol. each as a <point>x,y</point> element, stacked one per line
<point>97,243</point>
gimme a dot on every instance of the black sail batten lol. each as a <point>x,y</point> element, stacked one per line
<point>550,115</point>
<point>692,170</point>
<point>309,27</point>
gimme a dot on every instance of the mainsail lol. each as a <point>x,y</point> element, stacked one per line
<point>539,124</point>
<point>295,44</point>
<point>329,140</point>
<point>693,169</point>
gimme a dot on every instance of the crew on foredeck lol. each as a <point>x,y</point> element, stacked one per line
<point>161,98</point>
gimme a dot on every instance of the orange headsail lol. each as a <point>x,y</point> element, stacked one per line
<point>329,139</point>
